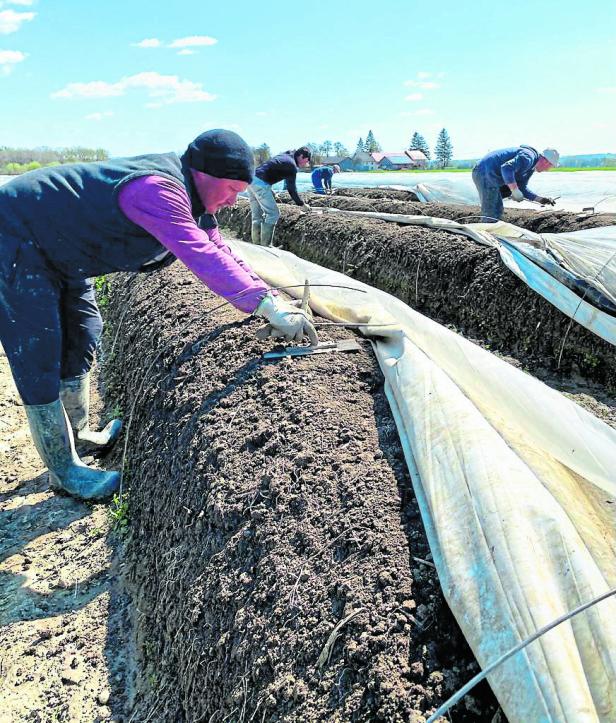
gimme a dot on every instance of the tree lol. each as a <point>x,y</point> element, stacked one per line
<point>443,149</point>
<point>371,145</point>
<point>340,149</point>
<point>326,148</point>
<point>262,153</point>
<point>360,146</point>
<point>315,154</point>
<point>419,143</point>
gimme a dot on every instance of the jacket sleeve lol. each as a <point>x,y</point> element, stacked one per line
<point>162,208</point>
<point>518,170</point>
<point>292,189</point>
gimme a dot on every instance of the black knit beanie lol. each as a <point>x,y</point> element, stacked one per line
<point>222,154</point>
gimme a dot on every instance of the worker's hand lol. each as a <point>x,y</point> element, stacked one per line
<point>517,195</point>
<point>545,201</point>
<point>306,208</point>
<point>285,320</point>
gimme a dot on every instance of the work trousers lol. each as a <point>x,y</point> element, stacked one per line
<point>49,325</point>
<point>317,182</point>
<point>263,206</point>
<point>489,197</point>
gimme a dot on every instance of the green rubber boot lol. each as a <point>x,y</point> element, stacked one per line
<point>75,397</point>
<point>53,440</point>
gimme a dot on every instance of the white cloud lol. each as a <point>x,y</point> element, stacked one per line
<point>193,40</point>
<point>148,43</point>
<point>94,89</point>
<point>608,89</point>
<point>165,89</point>
<point>422,74</point>
<point>10,21</point>
<point>262,113</point>
<point>99,116</point>
<point>423,84</point>
<point>414,97</point>
<point>8,60</point>
<point>19,2</point>
<point>186,51</point>
<point>11,56</point>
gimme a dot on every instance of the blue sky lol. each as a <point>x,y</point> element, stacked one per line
<point>494,74</point>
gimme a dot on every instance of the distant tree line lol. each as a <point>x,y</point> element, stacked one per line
<point>319,151</point>
<point>19,160</point>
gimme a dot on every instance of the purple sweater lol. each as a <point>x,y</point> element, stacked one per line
<point>162,208</point>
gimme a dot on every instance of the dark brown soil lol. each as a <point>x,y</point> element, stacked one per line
<point>270,502</point>
<point>383,201</point>
<point>450,279</point>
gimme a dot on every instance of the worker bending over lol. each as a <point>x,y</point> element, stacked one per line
<point>62,226</point>
<point>263,208</point>
<point>322,178</point>
<point>505,173</point>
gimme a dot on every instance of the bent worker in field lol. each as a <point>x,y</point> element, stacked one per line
<point>322,178</point>
<point>505,173</point>
<point>263,208</point>
<point>61,226</point>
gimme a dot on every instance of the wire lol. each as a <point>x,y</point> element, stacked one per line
<point>516,649</point>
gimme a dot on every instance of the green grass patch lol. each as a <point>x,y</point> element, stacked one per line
<point>119,513</point>
<point>573,169</point>
<point>102,286</point>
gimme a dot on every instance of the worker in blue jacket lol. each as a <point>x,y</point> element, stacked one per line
<point>505,173</point>
<point>322,178</point>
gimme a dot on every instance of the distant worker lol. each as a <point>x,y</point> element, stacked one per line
<point>322,178</point>
<point>505,173</point>
<point>263,208</point>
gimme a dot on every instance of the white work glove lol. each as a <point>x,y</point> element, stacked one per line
<point>306,208</point>
<point>285,320</point>
<point>517,195</point>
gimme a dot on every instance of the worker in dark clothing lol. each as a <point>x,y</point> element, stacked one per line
<point>505,173</point>
<point>62,226</point>
<point>263,208</point>
<point>322,178</point>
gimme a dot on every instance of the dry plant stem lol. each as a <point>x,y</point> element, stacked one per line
<point>333,636</point>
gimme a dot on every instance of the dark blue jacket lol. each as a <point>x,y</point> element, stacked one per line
<point>510,165</point>
<point>281,168</point>
<point>322,176</point>
<point>71,212</point>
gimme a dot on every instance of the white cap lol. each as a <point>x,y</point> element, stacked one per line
<point>551,155</point>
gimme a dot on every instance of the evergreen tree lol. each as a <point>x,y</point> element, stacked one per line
<point>419,143</point>
<point>371,145</point>
<point>443,149</point>
<point>360,146</point>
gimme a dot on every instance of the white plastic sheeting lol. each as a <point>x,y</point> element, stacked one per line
<point>588,255</point>
<point>512,480</point>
